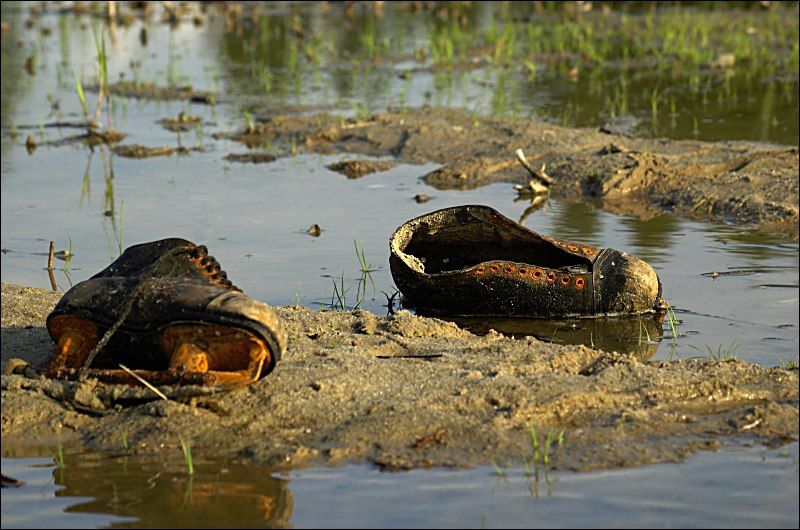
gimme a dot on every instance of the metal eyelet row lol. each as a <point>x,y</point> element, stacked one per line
<point>532,273</point>
<point>572,247</point>
<point>210,267</point>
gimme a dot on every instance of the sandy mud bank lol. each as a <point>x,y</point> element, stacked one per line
<point>405,391</point>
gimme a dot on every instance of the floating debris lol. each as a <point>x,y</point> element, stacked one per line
<point>724,60</point>
<point>182,122</point>
<point>63,255</point>
<point>314,230</point>
<point>141,151</point>
<point>30,144</point>
<point>151,91</point>
<point>354,169</point>
<point>538,174</point>
<point>8,482</point>
<point>254,158</point>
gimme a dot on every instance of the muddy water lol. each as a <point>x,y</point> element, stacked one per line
<point>711,490</point>
<point>254,219</point>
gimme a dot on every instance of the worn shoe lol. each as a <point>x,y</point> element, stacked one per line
<point>168,311</point>
<point>471,260</point>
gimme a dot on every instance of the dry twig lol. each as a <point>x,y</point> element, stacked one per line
<point>538,174</point>
<point>144,382</point>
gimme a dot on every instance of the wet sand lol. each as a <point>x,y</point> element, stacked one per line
<point>405,391</point>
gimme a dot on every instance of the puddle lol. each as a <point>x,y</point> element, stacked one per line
<point>366,63</point>
<point>734,291</point>
<point>708,490</point>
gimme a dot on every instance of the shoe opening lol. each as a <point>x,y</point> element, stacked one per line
<point>444,247</point>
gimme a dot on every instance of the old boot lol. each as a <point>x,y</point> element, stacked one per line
<point>471,260</point>
<point>166,310</point>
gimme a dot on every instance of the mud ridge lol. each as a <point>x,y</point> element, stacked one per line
<point>740,182</point>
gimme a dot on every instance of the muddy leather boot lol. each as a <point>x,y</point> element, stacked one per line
<point>471,260</point>
<point>174,317</point>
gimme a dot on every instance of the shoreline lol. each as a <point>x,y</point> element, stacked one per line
<point>349,391</point>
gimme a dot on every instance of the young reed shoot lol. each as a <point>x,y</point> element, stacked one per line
<point>187,455</point>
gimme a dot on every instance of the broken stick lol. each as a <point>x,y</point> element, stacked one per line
<point>50,256</point>
<point>538,174</point>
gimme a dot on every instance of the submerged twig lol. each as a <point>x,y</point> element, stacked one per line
<point>60,125</point>
<point>390,301</point>
<point>50,256</point>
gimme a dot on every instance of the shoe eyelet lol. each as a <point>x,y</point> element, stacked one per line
<point>523,271</point>
<point>580,283</point>
<point>551,276</point>
<point>495,268</point>
<point>537,274</point>
<point>510,269</point>
<point>566,279</point>
<point>588,251</point>
<point>572,248</point>
<point>480,270</point>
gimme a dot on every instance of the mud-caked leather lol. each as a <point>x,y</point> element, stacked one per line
<point>534,275</point>
<point>171,281</point>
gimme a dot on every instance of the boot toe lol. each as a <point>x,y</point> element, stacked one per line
<point>637,286</point>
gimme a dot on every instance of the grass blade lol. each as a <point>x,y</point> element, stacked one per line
<point>144,382</point>
<point>187,455</point>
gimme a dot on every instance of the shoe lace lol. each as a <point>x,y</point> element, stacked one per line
<point>207,264</point>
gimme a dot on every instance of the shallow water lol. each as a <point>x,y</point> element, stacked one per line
<point>750,309</point>
<point>253,218</point>
<point>366,63</point>
<point>709,490</point>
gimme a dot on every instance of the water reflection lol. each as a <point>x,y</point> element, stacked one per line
<point>652,238</point>
<point>322,54</point>
<point>535,203</point>
<point>285,53</point>
<point>579,222</point>
<point>356,496</point>
<point>638,336</point>
<point>13,78</point>
<point>758,247</point>
<point>217,495</point>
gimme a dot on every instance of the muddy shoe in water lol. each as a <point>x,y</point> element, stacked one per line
<point>167,311</point>
<point>471,260</point>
